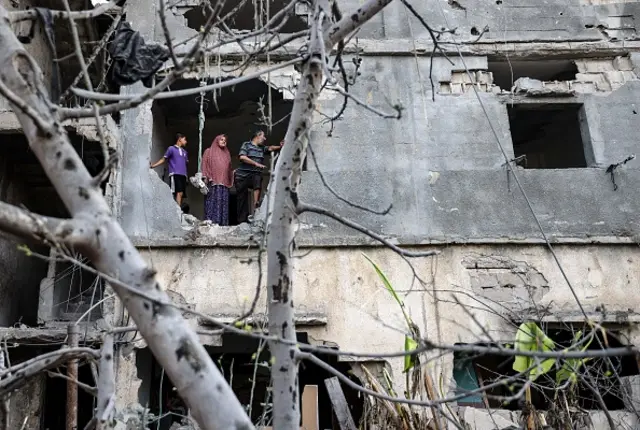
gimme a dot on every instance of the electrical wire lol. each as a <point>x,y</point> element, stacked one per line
<point>512,170</point>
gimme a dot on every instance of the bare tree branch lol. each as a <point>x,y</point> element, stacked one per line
<point>181,93</point>
<point>174,344</point>
<point>397,107</point>
<point>106,384</point>
<point>20,374</point>
<point>87,388</point>
<point>24,15</point>
<point>306,207</point>
<point>352,21</point>
<point>96,51</point>
<point>23,223</point>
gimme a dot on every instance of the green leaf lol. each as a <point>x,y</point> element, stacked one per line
<point>385,280</point>
<point>392,291</point>
<point>531,338</point>
<point>572,365</point>
<point>409,342</point>
<point>25,249</point>
<point>409,360</point>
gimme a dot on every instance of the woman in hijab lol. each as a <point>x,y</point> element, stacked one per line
<point>216,167</point>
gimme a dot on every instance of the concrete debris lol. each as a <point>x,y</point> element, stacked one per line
<point>134,417</point>
<point>207,228</point>
<point>189,221</point>
<point>461,82</point>
<point>535,88</point>
<point>284,80</point>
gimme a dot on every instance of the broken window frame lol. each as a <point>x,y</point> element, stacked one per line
<point>585,159</point>
<point>487,372</point>
<point>160,109</point>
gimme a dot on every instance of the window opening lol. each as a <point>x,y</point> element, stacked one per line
<point>472,371</point>
<point>23,182</point>
<point>505,73</point>
<point>42,401</point>
<point>232,111</point>
<point>547,136</point>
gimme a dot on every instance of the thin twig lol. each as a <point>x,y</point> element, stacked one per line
<point>397,107</point>
<point>31,14</point>
<point>306,207</point>
<point>167,35</point>
<point>97,50</point>
<point>182,93</point>
<point>23,106</point>
<point>87,388</point>
<point>87,80</point>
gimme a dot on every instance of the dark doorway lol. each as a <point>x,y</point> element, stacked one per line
<point>245,366</point>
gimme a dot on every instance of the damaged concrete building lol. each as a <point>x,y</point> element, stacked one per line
<point>550,87</point>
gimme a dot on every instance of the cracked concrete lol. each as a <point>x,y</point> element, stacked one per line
<point>511,283</point>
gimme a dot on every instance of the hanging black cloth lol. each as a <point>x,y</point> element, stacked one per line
<point>133,60</point>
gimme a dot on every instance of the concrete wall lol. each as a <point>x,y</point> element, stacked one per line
<point>361,315</point>
<point>441,167</point>
<point>26,405</point>
<point>146,207</point>
<point>506,20</point>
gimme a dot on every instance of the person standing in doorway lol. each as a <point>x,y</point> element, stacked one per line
<point>249,175</point>
<point>216,168</point>
<point>177,158</point>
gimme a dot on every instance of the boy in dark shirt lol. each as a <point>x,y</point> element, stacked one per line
<point>249,175</point>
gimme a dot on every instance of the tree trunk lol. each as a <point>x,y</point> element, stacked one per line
<point>101,239</point>
<point>281,228</point>
<point>282,217</point>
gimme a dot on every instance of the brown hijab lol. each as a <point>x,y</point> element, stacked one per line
<point>216,164</point>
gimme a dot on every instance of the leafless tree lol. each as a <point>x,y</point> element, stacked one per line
<point>95,233</point>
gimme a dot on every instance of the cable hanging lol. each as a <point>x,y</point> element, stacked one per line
<point>201,118</point>
<point>197,180</point>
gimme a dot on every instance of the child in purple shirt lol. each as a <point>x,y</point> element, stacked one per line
<point>177,158</point>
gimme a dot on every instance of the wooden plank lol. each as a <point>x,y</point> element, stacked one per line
<point>310,408</point>
<point>340,406</point>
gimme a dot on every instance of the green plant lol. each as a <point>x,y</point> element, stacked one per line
<point>531,338</point>
<point>410,342</point>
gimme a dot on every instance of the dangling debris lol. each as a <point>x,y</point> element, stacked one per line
<point>133,60</point>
